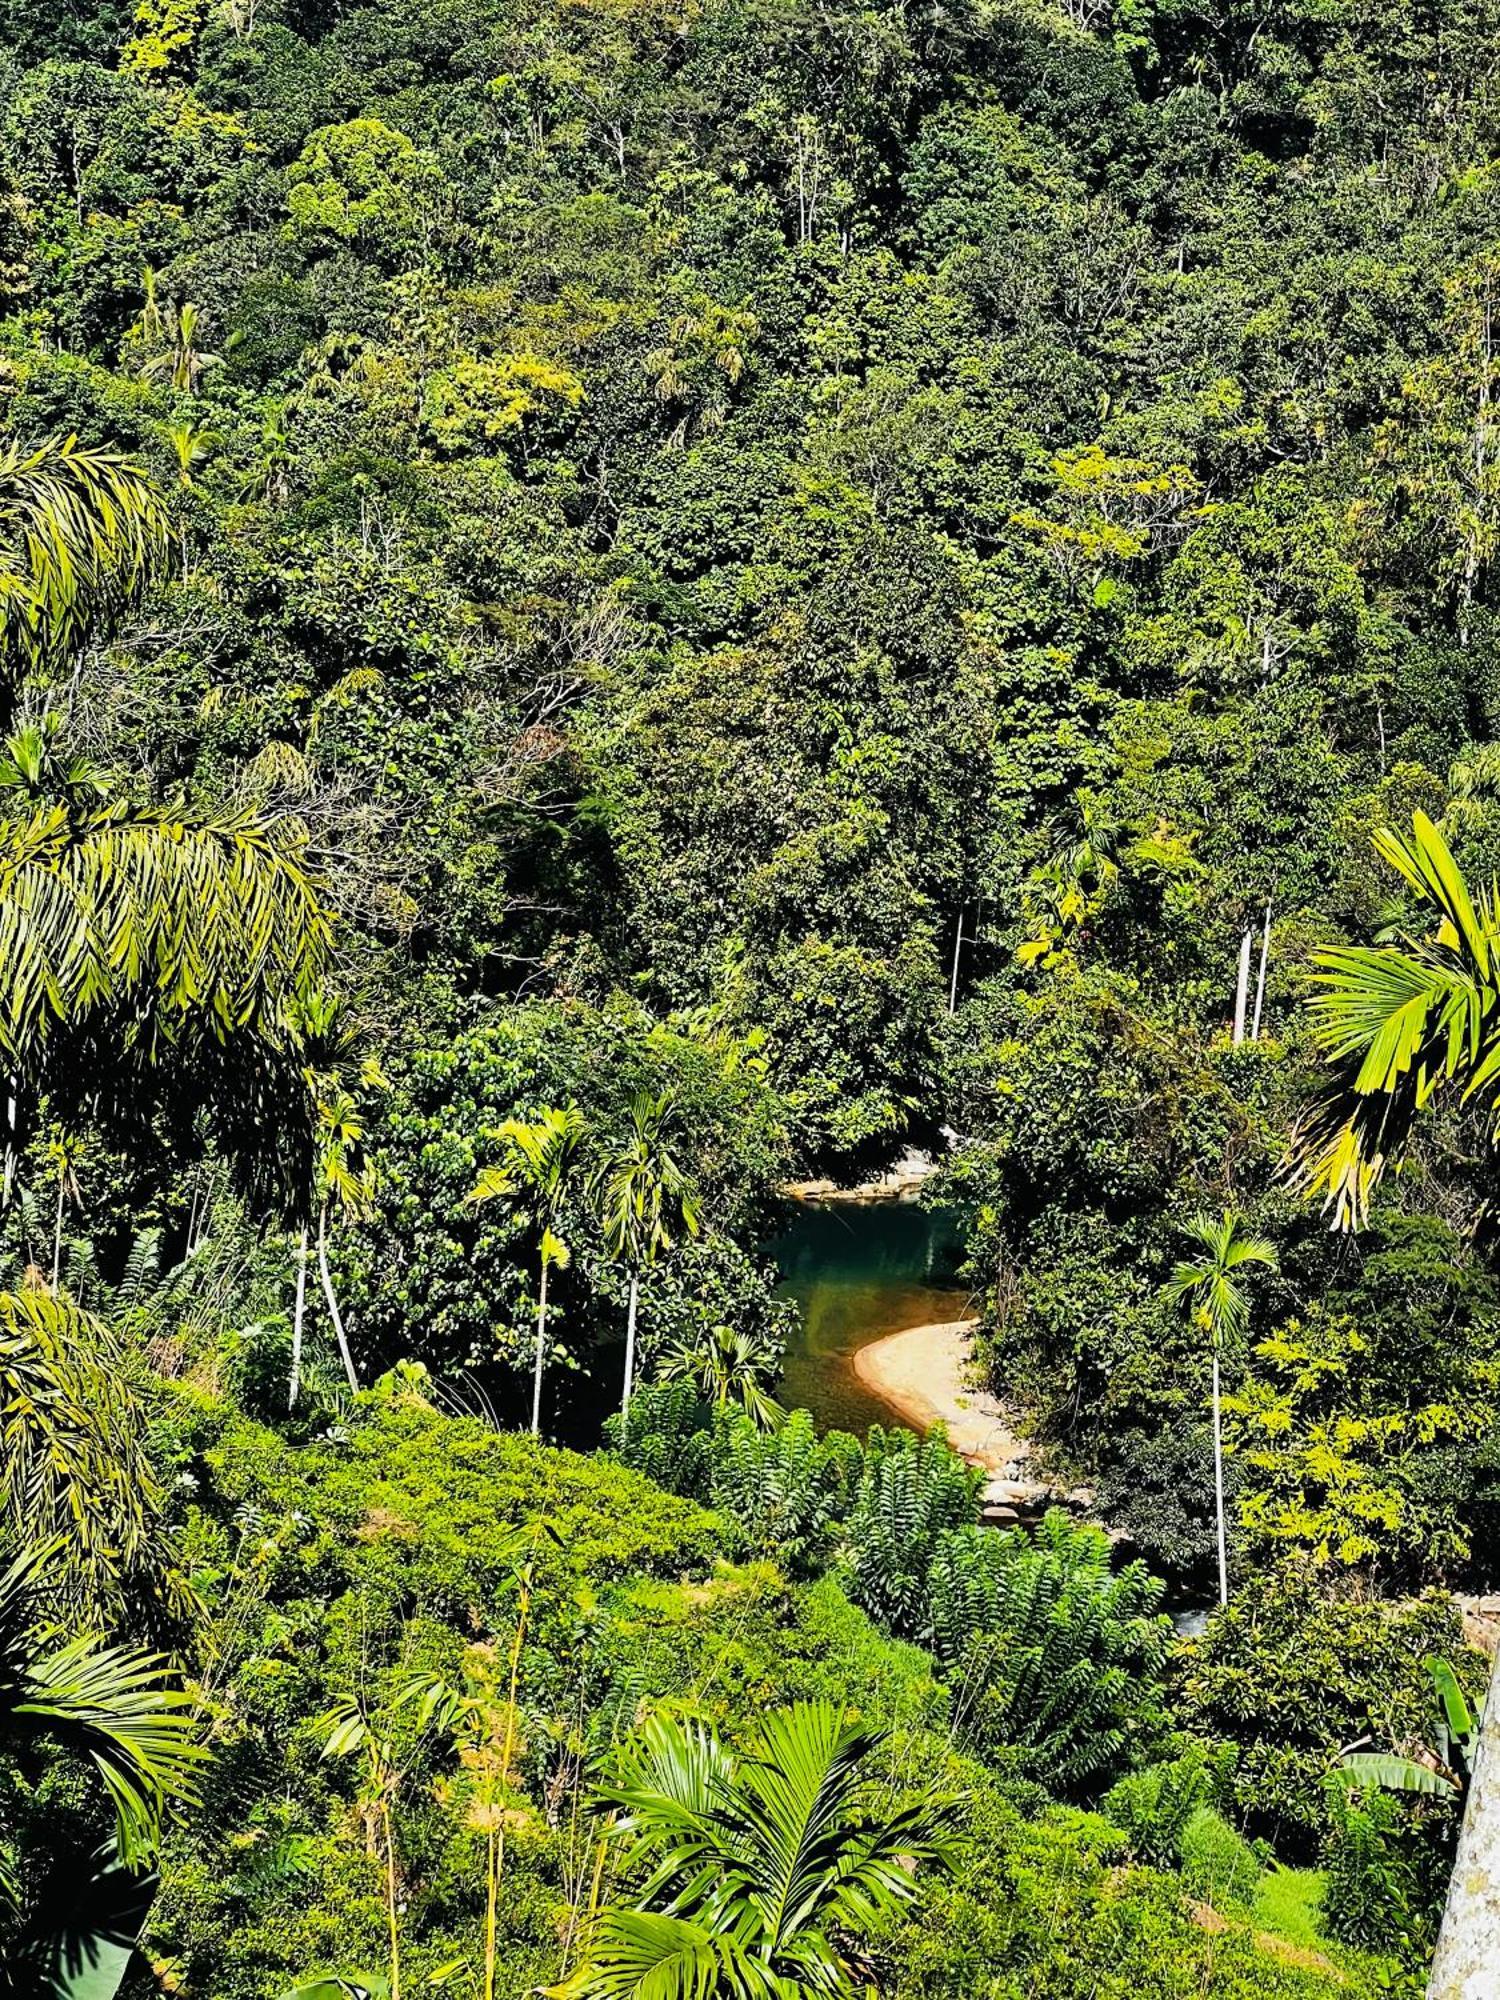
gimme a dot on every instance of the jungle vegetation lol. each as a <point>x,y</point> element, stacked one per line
<point>608,603</point>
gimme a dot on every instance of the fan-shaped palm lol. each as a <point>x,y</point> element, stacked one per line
<point>79,531</point>
<point>644,1196</point>
<point>756,1867</point>
<point>540,1158</point>
<point>1221,1306</point>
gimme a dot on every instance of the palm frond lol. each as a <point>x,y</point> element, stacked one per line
<point>1399,1022</point>
<point>638,1955</point>
<point>80,531</point>
<point>115,1705</point>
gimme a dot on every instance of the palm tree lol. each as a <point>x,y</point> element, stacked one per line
<point>1402,1023</point>
<point>335,1062</point>
<point>79,533</point>
<point>541,1156</point>
<point>1221,1307</point>
<point>754,1866</point>
<point>644,1195</point>
<point>181,362</point>
<point>730,1368</point>
<point>346,1178</point>
<point>130,935</point>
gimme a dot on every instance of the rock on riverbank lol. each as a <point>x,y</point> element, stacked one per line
<point>921,1374</point>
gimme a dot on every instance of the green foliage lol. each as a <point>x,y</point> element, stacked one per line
<point>1370,1880</point>
<point>1154,1807</point>
<point>1048,1651</point>
<point>911,1493</point>
<point>1295,1677</point>
<point>786,1492</point>
<point>754,1866</point>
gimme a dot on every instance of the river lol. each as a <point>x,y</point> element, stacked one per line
<point>859,1270</point>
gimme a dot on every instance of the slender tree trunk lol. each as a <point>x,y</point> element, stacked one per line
<point>1466,1964</point>
<point>1219,1488</point>
<point>62,1188</point>
<point>297,1316</point>
<point>390,1902</point>
<point>635,1288</point>
<point>1260,984</point>
<point>1242,988</point>
<point>333,1305</point>
<point>958,945</point>
<point>541,1351</point>
<point>10,1143</point>
<point>492,1898</point>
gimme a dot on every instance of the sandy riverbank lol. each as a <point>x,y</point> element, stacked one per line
<point>921,1372</point>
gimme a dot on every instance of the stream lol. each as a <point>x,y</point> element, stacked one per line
<point>858,1271</point>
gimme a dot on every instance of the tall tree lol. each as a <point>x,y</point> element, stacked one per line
<point>1213,1281</point>
<point>1403,1023</point>
<point>540,1159</point>
<point>644,1197</point>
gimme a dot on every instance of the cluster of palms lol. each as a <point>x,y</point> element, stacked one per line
<point>642,1196</point>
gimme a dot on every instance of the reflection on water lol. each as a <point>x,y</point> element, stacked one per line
<point>859,1271</point>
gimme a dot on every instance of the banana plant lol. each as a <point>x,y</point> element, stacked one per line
<point>1441,1771</point>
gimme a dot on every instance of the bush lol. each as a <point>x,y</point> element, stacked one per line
<point>911,1492</point>
<point>1048,1650</point>
<point>1291,1676</point>
<point>1153,1807</point>
<point>1218,1864</point>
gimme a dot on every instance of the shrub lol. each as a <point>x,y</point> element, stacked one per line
<point>782,1493</point>
<point>1153,1807</point>
<point>1048,1650</point>
<point>1218,1865</point>
<point>912,1491</point>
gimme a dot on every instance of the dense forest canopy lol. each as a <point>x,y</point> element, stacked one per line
<point>609,604</point>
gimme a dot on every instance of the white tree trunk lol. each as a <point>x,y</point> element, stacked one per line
<point>958,945</point>
<point>297,1316</point>
<point>62,1188</point>
<point>541,1353</point>
<point>1466,1965</point>
<point>635,1289</point>
<point>1242,989</point>
<point>1260,984</point>
<point>333,1305</point>
<point>1219,1489</point>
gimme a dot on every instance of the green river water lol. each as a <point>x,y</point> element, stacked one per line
<point>858,1271</point>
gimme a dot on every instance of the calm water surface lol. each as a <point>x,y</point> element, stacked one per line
<point>859,1271</point>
